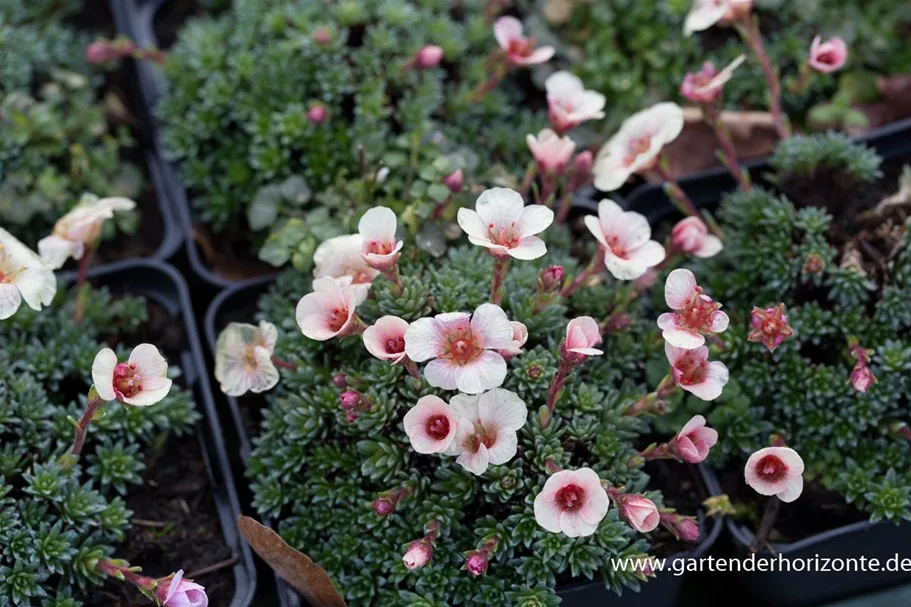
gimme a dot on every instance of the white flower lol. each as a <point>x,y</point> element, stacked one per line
<point>694,373</point>
<point>695,313</point>
<point>636,145</point>
<point>487,429</point>
<point>243,358</point>
<point>343,256</point>
<point>519,50</point>
<point>463,348</point>
<point>503,224</point>
<point>706,13</point>
<point>776,471</point>
<point>23,276</point>
<point>379,248</point>
<point>625,239</point>
<point>431,425</point>
<point>569,104</point>
<point>80,227</point>
<point>328,311</point>
<point>141,381</point>
<point>572,502</point>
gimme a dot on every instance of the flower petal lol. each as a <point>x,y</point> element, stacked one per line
<point>441,373</point>
<point>490,327</point>
<point>10,300</point>
<point>103,373</point>
<point>472,224</point>
<point>501,409</point>
<point>424,339</point>
<point>679,288</point>
<point>149,361</point>
<point>507,29</point>
<point>487,371</point>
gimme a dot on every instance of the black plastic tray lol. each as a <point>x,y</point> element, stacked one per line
<point>162,284</point>
<point>659,592</point>
<point>890,141</point>
<point>135,18</point>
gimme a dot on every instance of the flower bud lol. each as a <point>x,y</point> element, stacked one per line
<point>770,326</point>
<point>383,506</point>
<point>454,181</point>
<point>477,563</point>
<point>640,512</point>
<point>618,322</point>
<point>350,399</point>
<point>177,591</point>
<point>317,114</point>
<point>419,554</point>
<point>428,57</point>
<point>862,377</point>
<point>340,380</point>
<point>813,264</point>
<point>551,279</point>
<point>322,36</point>
<point>684,528</point>
<point>582,168</point>
<point>100,52</point>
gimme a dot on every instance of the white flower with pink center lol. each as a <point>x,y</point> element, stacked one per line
<point>706,85</point>
<point>431,425</point>
<point>380,248</point>
<point>519,337</point>
<point>625,238</point>
<point>551,152</point>
<point>461,348</point>
<point>691,236</point>
<point>636,146</point>
<point>776,471</point>
<point>385,339</point>
<point>503,224</point>
<point>80,227</point>
<point>694,441</point>
<point>829,56</point>
<point>569,104</point>
<point>706,13</point>
<point>694,373</point>
<point>141,381</point>
<point>243,358</point>
<point>343,256</point>
<point>695,314</point>
<point>520,50</point>
<point>487,430</point>
<point>582,335</point>
<point>572,502</point>
<point>23,276</point>
<point>328,311</point>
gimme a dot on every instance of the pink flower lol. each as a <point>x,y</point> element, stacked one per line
<point>705,86</point>
<point>343,256</point>
<point>551,152</point>
<point>428,57</point>
<point>455,181</point>
<point>243,358</point>
<point>322,36</point>
<point>569,104</point>
<point>101,51</point>
<point>385,339</point>
<point>317,114</point>
<point>776,471</point>
<point>419,554</point>
<point>694,373</point>
<point>551,279</point>
<point>684,528</point>
<point>487,428</point>
<point>328,311</point>
<point>695,313</point>
<point>519,337</point>
<point>691,236</point>
<point>78,228</point>
<point>828,56</point>
<point>862,377</point>
<point>141,381</point>
<point>462,348</point>
<point>380,248</point>
<point>582,334</point>
<point>572,502</point>
<point>770,326</point>
<point>476,563</point>
<point>695,439</point>
<point>503,224</point>
<point>636,146</point>
<point>625,237</point>
<point>639,511</point>
<point>706,13</point>
<point>519,49</point>
<point>431,425</point>
<point>181,592</point>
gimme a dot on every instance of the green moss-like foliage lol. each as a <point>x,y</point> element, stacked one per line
<point>55,142</point>
<point>778,250</point>
<point>53,520</point>
<point>240,86</point>
<point>634,51</point>
<point>316,474</point>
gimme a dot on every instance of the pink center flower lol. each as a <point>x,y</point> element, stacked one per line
<point>572,502</point>
<point>141,381</point>
<point>569,104</point>
<point>695,313</point>
<point>385,339</point>
<point>582,334</point>
<point>776,471</point>
<point>770,326</point>
<point>706,85</point>
<point>626,240</point>
<point>691,236</point>
<point>827,57</point>
<point>488,424</point>
<point>694,441</point>
<point>431,425</point>
<point>570,498</point>
<point>520,50</point>
<point>551,152</point>
<point>505,226</point>
<point>694,373</point>
<point>380,247</point>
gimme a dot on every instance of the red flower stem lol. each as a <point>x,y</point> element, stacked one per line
<point>529,177</point>
<point>283,363</point>
<point>769,516</point>
<point>124,572</point>
<point>495,78</point>
<point>712,115</point>
<point>392,274</point>
<point>556,385</point>
<point>660,451</point>
<point>749,30</point>
<point>81,294</point>
<point>593,267</point>
<point>500,266</point>
<point>95,402</point>
<point>412,368</point>
<point>681,200</point>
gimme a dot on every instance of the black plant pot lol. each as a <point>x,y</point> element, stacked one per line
<point>238,304</point>
<point>890,141</point>
<point>163,285</point>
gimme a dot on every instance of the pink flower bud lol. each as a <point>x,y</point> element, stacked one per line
<point>551,279</point>
<point>350,400</point>
<point>176,591</point>
<point>477,563</point>
<point>582,168</point>
<point>100,52</point>
<point>705,86</point>
<point>383,506</point>
<point>322,36</point>
<point>827,57</point>
<point>688,529</point>
<point>340,380</point>
<point>691,236</point>
<point>813,264</point>
<point>454,181</point>
<point>317,114</point>
<point>419,554</point>
<point>428,57</point>
<point>640,512</point>
<point>862,377</point>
